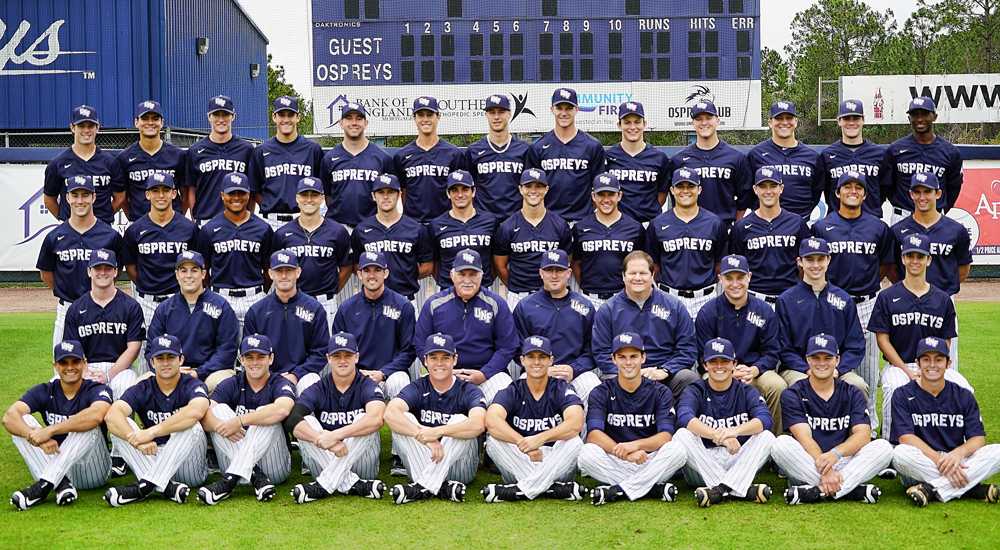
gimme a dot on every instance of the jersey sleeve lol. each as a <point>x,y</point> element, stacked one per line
<point>743,183</point>
<point>372,392</point>
<point>473,398</point>
<point>507,398</point>
<point>36,397</point>
<point>227,336</point>
<point>343,244</point>
<point>52,184</point>
<point>973,418</point>
<point>565,237</point>
<point>665,414</point>
<point>664,174</point>
<point>569,398</point>
<point>585,361</point>
<point>130,248</point>
<point>284,388</point>
<point>501,244</point>
<point>953,180</point>
<point>425,245</point>
<point>886,246</point>
<point>758,407</point>
<point>505,341</point>
<point>597,405</point>
<point>46,257</point>
<point>255,170</point>
<point>225,391</point>
<point>688,406</point>
<point>792,411</point>
<point>963,247</point>
<point>902,420</point>
<point>600,341</point>
<point>71,328</point>
<point>136,331</point>
<point>119,178</point>
<point>948,327</point>
<point>859,407</point>
<point>135,397</point>
<point>309,400</point>
<point>405,329</point>
<point>852,349</point>
<point>879,321</point>
<point>181,172</point>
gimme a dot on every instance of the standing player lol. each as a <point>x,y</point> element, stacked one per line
<point>602,239</point>
<point>150,155</point>
<point>463,226</point>
<point>570,158</point>
<point>349,169</point>
<point>630,426</point>
<point>686,243</point>
<point>83,158</point>
<point>423,164</point>
<point>68,452</point>
<point>496,161</point>
<point>277,165</point>
<point>643,170</point>
<point>796,161</point>
<point>854,154</point>
<point>212,157</point>
<point>534,432</point>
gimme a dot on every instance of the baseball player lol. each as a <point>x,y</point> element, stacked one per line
<point>244,420</point>
<point>796,161</point>
<point>643,170</point>
<point>769,238</point>
<point>830,453</point>
<point>570,158</point>
<point>65,251</point>
<point>686,243</point>
<point>854,154</point>
<point>753,330</point>
<point>725,173</point>
<point>202,320</point>
<point>463,226</point>
<point>941,444</point>
<point>630,426</point>
<point>435,423</point>
<point>602,239</point>
<point>496,161</point>
<point>921,151</point>
<point>725,432</point>
<point>168,453</point>
<point>294,321</point>
<point>323,247</point>
<point>236,245</point>
<point>336,421</point>
<point>66,450</point>
<point>659,318</point>
<point>277,165</point>
<point>150,155</point>
<point>214,156</point>
<point>477,319</point>
<point>525,236</point>
<point>83,158</point>
<point>534,432</point>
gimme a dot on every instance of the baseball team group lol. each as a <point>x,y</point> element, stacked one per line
<point>541,310</point>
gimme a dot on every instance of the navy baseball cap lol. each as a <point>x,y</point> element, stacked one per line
<point>783,108</point>
<point>765,174</point>
<point>83,113</point>
<point>309,183</point>
<point>256,343</point>
<point>342,341</point>
<point>80,182</point>
<point>536,343</point>
<point>467,259</point>
<point>160,179</point>
<point>685,175</point>
<point>166,344</point>
<point>631,108</point>
<point>812,246</point>
<point>497,101</point>
<point>627,340</point>
<point>372,258</point>
<point>924,179</point>
<point>822,343</point>
<point>221,103</point>
<point>922,103</point>
<point>719,348</point>
<point>353,107</point>
<point>235,181</point>
<point>607,182</point>
<point>190,257</point>
<point>460,177</point>
<point>931,344</point>
<point>851,107</point>
<point>68,348</point>
<point>103,256</point>
<point>534,175</point>
<point>704,107</point>
<point>734,262</point>
<point>564,95</point>
<point>286,103</point>
<point>554,258</point>
<point>284,258</point>
<point>916,242</point>
<point>425,103</point>
<point>851,176</point>
<point>148,106</point>
<point>385,181</point>
<point>439,342</point>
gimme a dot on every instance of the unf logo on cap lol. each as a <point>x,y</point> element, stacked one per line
<point>385,179</point>
<point>535,341</point>
<point>918,101</point>
<point>631,106</point>
<point>605,179</point>
<point>340,340</point>
<point>102,254</point>
<point>812,243</point>
<point>424,101</point>
<point>494,99</point>
<point>149,104</point>
<point>371,256</point>
<point>853,174</point>
<point>457,175</point>
<point>79,179</point>
<point>921,177</point>
<point>821,341</point>
<point>766,172</point>
<point>701,105</point>
<point>165,342</point>
<point>534,173</point>
<point>309,181</point>
<point>438,340</point>
<point>66,346</point>
<point>851,105</point>
<point>782,105</point>
<point>685,173</point>
<point>158,177</point>
<point>466,257</point>
<point>284,101</point>
<point>626,338</point>
<point>84,112</point>
<point>283,258</point>
<point>353,105</point>
<point>253,341</point>
<point>220,102</point>
<point>718,347</point>
<point>235,178</point>
<point>733,262</point>
<point>553,256</point>
<point>187,255</point>
<point>915,240</point>
<point>931,341</point>
<point>564,94</point>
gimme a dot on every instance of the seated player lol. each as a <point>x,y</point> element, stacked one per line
<point>630,425</point>
<point>725,432</point>
<point>534,432</point>
<point>830,453</point>
<point>69,450</point>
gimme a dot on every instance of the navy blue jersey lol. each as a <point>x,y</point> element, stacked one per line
<point>524,244</point>
<point>209,332</point>
<point>726,178</point>
<point>571,168</point>
<point>643,177</point>
<point>529,416</point>
<point>753,329</point>
<point>629,416</point>
<point>406,244</point>
<point>907,318</point>
<point>321,252</point>
<point>383,328</point>
<point>450,236</point>
<point>276,168</point>
<point>207,163</point>
<point>65,252</point>
<point>601,248</point>
<point>298,329</point>
<point>950,249</point>
<point>423,175</point>
<point>944,422</point>
<point>838,159</point>
<point>798,166</point>
<point>567,322</point>
<point>236,255</point>
<point>154,248</point>
<point>433,409</point>
<point>347,182</point>
<point>104,331</point>
<point>830,421</point>
<point>859,247</point>
<point>149,403</point>
<point>771,248</point>
<point>49,401</point>
<point>236,392</point>
<point>133,166</point>
<point>68,165</point>
<point>803,314</point>
<point>906,157</point>
<point>334,409</point>
<point>663,323</point>
<point>686,252</point>
<point>736,405</point>
<point>497,174</point>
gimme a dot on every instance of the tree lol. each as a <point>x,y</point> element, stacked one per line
<point>277,87</point>
<point>774,77</point>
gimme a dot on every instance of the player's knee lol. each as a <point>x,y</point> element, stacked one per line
<point>222,411</point>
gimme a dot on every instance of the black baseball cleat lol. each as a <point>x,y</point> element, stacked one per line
<point>118,467</point>
<point>604,494</point>
<point>397,468</point>
<point>65,492</point>
<point>31,495</point>
<point>707,496</point>
<point>452,490</point>
<point>263,487</point>
<point>176,491</point>
<point>410,492</point>
<point>500,492</point>
<point>988,493</point>
<point>759,493</point>
<point>802,494</point>
<point>667,491</point>
<point>216,492</point>
<point>308,492</point>
<point>124,495</point>
<point>888,473</point>
<point>921,494</point>
<point>368,488</point>
<point>567,490</point>
<point>866,492</point>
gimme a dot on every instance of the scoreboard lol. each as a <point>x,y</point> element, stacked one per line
<point>667,54</point>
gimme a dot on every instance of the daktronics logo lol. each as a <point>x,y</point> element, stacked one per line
<point>34,54</point>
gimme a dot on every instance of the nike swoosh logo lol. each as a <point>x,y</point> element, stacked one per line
<point>365,230</point>
<point>334,159</point>
<point>216,230</point>
<point>664,227</point>
<point>143,232</point>
<point>68,165</point>
<point>747,226</point>
<point>904,230</point>
<point>481,153</point>
<point>585,229</point>
<point>126,500</point>
<point>82,311</point>
<point>288,234</point>
<point>443,228</point>
<point>901,151</point>
<point>612,398</point>
<point>202,150</point>
<point>60,237</point>
<point>764,154</point>
<point>426,394</point>
<point>29,502</point>
<point>894,300</point>
<point>833,156</point>
<point>546,146</point>
<point>265,153</point>
<point>516,229</point>
<point>684,159</point>
<point>829,228</point>
<point>407,157</point>
<point>800,301</point>
<point>132,159</point>
<point>909,399</point>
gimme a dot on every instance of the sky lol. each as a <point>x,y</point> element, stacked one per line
<point>286,24</point>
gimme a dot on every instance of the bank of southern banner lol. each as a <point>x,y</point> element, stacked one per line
<point>959,97</point>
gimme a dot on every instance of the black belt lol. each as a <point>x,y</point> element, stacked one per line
<point>280,217</point>
<point>901,211</point>
<point>687,293</point>
<point>601,295</point>
<point>157,298</point>
<point>239,292</point>
<point>767,298</point>
<point>864,298</point>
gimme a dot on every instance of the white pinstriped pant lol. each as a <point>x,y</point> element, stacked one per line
<point>275,223</point>
<point>339,474</point>
<point>893,378</point>
<point>871,362</point>
<point>427,289</point>
<point>181,458</point>
<point>261,445</point>
<point>793,459</point>
<point>513,298</point>
<point>148,309</point>
<point>240,304</point>
<point>635,479</point>
<point>394,384</point>
<point>915,467</point>
<point>83,456</point>
<point>768,299</point>
<point>711,467</point>
<point>460,462</point>
<point>694,305</point>
<point>57,329</point>
<point>121,382</point>
<point>534,478</point>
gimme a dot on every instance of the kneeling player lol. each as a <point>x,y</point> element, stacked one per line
<point>524,419</point>
<point>830,454</point>
<point>630,423</point>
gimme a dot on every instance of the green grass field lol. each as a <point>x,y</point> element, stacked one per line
<point>353,522</point>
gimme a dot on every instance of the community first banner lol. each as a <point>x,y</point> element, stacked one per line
<point>959,97</point>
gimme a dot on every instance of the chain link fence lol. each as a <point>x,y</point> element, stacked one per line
<point>106,139</point>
